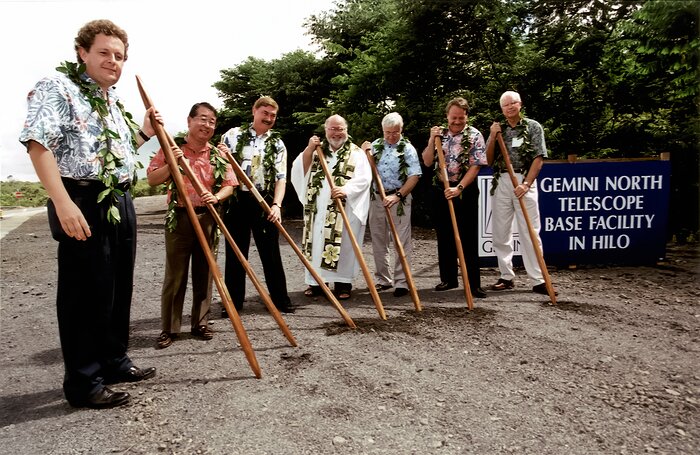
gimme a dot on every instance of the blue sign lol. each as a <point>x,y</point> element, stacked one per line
<point>594,212</point>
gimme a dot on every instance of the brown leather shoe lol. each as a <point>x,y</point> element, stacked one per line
<point>203,332</point>
<point>502,285</point>
<point>165,339</point>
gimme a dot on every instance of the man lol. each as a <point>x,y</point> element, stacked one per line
<point>181,241</point>
<point>325,240</point>
<point>261,154</point>
<point>524,139</point>
<point>464,150</point>
<point>87,171</point>
<point>399,169</point>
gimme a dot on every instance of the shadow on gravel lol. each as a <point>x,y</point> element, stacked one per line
<point>32,406</point>
<point>47,357</point>
<point>410,321</point>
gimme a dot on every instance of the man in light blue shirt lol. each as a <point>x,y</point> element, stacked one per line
<point>399,169</point>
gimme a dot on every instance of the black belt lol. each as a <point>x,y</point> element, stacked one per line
<point>91,185</point>
<point>198,210</point>
<point>518,170</point>
<point>264,194</point>
<point>390,192</point>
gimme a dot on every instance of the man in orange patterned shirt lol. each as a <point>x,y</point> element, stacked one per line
<point>181,242</point>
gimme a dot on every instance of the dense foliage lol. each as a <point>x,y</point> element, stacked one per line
<point>33,194</point>
<point>607,79</point>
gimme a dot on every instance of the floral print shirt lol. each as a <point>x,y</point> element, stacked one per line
<point>512,136</point>
<point>388,166</point>
<point>254,156</point>
<point>61,119</point>
<point>457,160</point>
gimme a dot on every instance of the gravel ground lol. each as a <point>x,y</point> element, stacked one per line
<point>612,368</point>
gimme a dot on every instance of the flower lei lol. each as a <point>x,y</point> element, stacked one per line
<point>245,138</point>
<point>525,150</point>
<point>110,162</point>
<point>218,164</point>
<point>403,166</point>
<point>463,157</point>
<point>333,224</point>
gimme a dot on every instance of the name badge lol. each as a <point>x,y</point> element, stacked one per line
<point>517,142</point>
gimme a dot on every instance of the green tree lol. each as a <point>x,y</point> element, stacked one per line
<point>298,81</point>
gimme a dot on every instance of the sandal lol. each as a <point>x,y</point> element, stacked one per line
<point>313,291</point>
<point>502,285</point>
<point>343,290</point>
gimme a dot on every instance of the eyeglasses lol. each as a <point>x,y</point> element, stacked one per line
<point>392,133</point>
<point>336,129</point>
<point>206,120</point>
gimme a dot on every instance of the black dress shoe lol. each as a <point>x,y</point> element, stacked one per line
<point>133,374</point>
<point>479,293</point>
<point>542,289</point>
<point>103,399</point>
<point>400,292</point>
<point>224,313</point>
<point>286,309</point>
<point>444,286</point>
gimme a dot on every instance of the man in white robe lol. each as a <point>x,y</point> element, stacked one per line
<point>326,241</point>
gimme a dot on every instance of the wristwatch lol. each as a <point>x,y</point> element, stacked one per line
<point>399,195</point>
<point>460,187</point>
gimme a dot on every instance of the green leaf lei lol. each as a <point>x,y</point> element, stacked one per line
<point>245,138</point>
<point>525,150</point>
<point>463,157</point>
<point>333,224</point>
<point>110,162</point>
<point>217,161</point>
<point>403,166</point>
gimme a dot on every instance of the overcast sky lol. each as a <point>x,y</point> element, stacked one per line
<point>176,48</point>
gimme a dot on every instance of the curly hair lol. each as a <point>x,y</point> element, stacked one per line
<point>88,32</point>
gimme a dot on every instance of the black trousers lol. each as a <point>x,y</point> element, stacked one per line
<point>243,217</point>
<point>467,215</point>
<point>95,282</point>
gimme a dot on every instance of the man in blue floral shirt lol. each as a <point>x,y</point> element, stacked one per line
<point>83,147</point>
<point>399,169</point>
<point>465,153</point>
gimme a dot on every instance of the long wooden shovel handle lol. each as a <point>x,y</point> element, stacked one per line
<point>533,235</point>
<point>455,228</point>
<point>266,208</point>
<point>397,241</point>
<point>213,266</point>
<point>267,300</point>
<point>351,235</point>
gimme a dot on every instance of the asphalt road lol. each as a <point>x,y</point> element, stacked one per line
<point>13,217</point>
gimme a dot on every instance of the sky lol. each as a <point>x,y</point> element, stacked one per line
<point>176,48</point>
